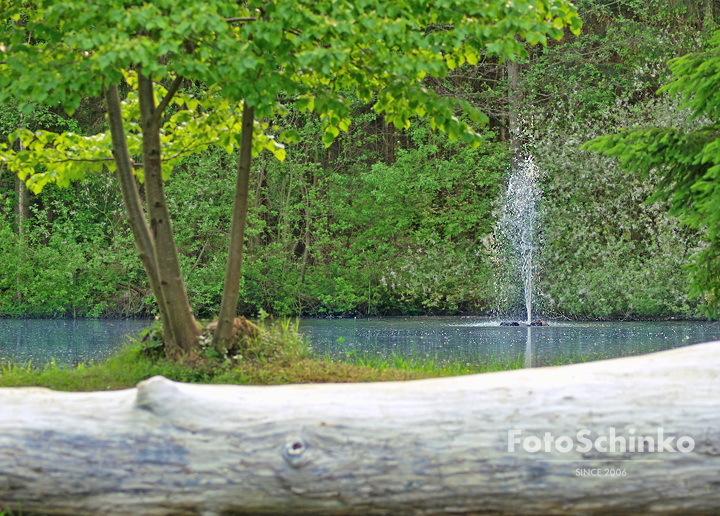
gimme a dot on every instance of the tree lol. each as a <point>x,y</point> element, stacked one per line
<point>258,55</point>
<point>689,161</point>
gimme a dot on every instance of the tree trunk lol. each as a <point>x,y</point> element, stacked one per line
<point>437,446</point>
<point>23,205</point>
<point>284,221</point>
<point>306,241</point>
<point>133,207</point>
<point>22,211</point>
<point>514,98</point>
<point>223,334</point>
<point>23,196</point>
<point>259,201</point>
<point>709,19</point>
<point>181,321</point>
<point>389,137</point>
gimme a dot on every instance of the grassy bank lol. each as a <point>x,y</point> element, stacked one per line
<point>278,355</point>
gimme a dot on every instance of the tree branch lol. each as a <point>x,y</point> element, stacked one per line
<point>230,20</point>
<point>172,90</point>
<point>87,160</point>
<point>199,257</point>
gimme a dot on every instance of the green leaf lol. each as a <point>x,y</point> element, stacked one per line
<point>328,138</point>
<point>290,136</point>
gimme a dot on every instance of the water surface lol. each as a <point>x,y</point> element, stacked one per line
<point>68,341</point>
<point>477,340</point>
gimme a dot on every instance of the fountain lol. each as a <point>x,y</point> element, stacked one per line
<point>519,228</point>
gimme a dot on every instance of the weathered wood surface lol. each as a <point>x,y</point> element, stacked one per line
<point>423,447</point>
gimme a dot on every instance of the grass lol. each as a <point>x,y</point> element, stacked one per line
<point>277,355</point>
<point>427,366</point>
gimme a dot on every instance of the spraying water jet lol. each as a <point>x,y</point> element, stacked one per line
<point>519,227</point>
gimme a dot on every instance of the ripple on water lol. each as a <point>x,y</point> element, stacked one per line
<point>68,341</point>
<point>482,339</point>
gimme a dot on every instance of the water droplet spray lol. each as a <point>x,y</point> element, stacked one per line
<point>519,224</point>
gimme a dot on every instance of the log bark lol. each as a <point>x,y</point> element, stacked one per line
<point>435,446</point>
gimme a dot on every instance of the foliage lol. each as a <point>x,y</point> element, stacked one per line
<point>442,265</point>
<point>50,157</point>
<point>311,50</point>
<point>77,245</point>
<point>404,236</point>
<point>607,252</point>
<point>36,117</point>
<point>688,162</point>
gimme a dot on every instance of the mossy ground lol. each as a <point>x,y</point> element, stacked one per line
<point>278,355</point>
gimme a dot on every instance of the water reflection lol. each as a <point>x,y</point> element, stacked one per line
<point>68,341</point>
<point>478,340</point>
<point>528,348</point>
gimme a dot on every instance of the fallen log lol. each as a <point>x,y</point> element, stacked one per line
<point>437,446</point>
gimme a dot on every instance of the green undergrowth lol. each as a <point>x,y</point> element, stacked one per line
<point>277,355</point>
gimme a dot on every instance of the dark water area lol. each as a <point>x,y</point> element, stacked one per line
<point>68,341</point>
<point>480,339</point>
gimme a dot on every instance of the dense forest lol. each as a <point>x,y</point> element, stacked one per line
<point>396,221</point>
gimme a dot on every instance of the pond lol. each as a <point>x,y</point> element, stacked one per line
<point>477,340</point>
<point>68,341</point>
